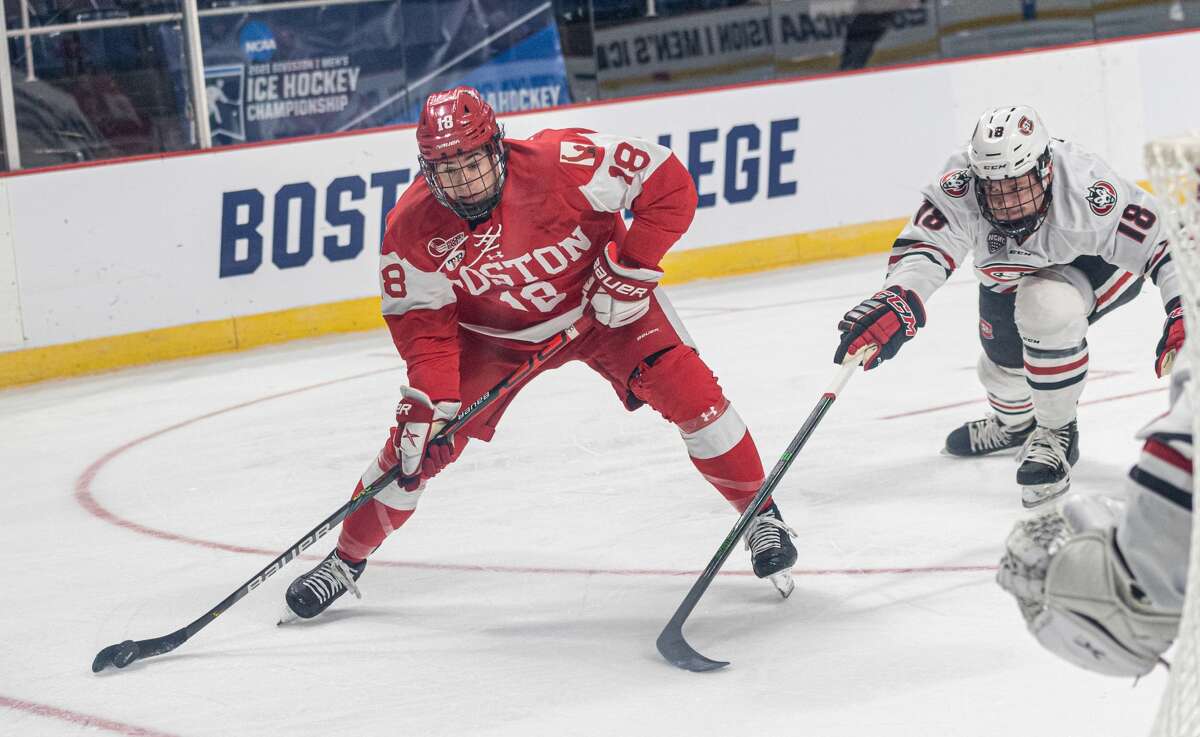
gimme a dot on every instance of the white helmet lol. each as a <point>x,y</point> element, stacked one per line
<point>1011,143</point>
<point>1007,142</point>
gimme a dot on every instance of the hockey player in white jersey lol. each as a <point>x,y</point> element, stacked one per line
<point>1059,240</point>
<point>1102,584</point>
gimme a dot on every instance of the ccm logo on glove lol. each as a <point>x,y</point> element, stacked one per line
<point>886,320</point>
<point>903,311</point>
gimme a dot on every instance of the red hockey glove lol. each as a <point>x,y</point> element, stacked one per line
<point>417,420</point>
<point>619,294</point>
<point>887,319</point>
<point>1171,340</point>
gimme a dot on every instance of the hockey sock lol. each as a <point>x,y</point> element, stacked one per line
<point>683,389</point>
<point>737,473</point>
<point>1056,378</point>
<point>367,527</point>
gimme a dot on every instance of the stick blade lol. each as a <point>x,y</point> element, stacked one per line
<point>680,654</point>
<point>124,653</point>
<point>119,655</point>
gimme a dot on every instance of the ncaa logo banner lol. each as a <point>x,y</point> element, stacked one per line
<point>299,71</point>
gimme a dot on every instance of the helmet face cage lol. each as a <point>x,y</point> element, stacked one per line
<point>1017,206</point>
<point>464,189</point>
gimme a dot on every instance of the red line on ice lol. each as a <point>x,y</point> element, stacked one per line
<point>940,407</point>
<point>87,499</point>
<point>83,720</point>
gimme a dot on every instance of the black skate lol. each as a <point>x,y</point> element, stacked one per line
<point>769,541</point>
<point>1046,460</point>
<point>313,592</point>
<point>988,435</point>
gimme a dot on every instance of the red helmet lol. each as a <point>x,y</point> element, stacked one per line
<point>454,123</point>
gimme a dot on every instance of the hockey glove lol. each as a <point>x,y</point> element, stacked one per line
<point>1171,340</point>
<point>887,319</point>
<point>1076,594</point>
<point>619,294</point>
<point>418,419</point>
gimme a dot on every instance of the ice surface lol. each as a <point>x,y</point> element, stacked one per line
<point>525,596</point>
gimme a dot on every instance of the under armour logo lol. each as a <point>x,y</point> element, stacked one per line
<point>709,414</point>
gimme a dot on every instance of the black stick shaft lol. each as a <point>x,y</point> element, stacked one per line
<point>160,645</point>
<point>671,643</point>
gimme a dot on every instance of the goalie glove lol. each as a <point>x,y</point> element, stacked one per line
<point>418,419</point>
<point>619,294</point>
<point>1076,595</point>
<point>1171,340</point>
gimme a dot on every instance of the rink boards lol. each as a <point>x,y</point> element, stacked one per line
<point>109,265</point>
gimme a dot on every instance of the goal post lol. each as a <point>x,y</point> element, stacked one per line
<point>1173,165</point>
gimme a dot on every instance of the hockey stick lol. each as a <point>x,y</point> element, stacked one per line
<point>124,653</point>
<point>671,643</point>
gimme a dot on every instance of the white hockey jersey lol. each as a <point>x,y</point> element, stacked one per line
<point>1156,531</point>
<point>1093,212</point>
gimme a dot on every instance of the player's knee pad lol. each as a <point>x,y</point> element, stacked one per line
<point>682,388</point>
<point>678,384</point>
<point>1051,312</point>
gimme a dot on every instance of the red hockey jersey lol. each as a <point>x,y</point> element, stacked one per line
<point>519,275</point>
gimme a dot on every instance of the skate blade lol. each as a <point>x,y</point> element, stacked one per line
<point>999,452</point>
<point>1039,495</point>
<point>783,583</point>
<point>287,617</point>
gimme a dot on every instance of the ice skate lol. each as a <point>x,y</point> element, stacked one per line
<point>313,592</point>
<point>1046,460</point>
<point>989,435</point>
<point>771,551</point>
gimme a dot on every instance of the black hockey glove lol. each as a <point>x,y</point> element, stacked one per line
<point>887,319</point>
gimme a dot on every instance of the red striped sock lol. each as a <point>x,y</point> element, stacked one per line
<point>737,473</point>
<point>367,527</point>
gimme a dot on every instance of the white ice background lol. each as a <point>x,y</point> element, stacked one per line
<point>524,597</point>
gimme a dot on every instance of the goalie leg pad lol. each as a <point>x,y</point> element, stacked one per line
<point>1093,617</point>
<point>1078,596</point>
<point>683,389</point>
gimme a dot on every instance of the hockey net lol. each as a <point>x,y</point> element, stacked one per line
<point>1174,169</point>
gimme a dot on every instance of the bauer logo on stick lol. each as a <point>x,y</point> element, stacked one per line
<point>1101,197</point>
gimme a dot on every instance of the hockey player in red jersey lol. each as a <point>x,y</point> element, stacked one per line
<point>501,245</point>
<point>1059,240</point>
